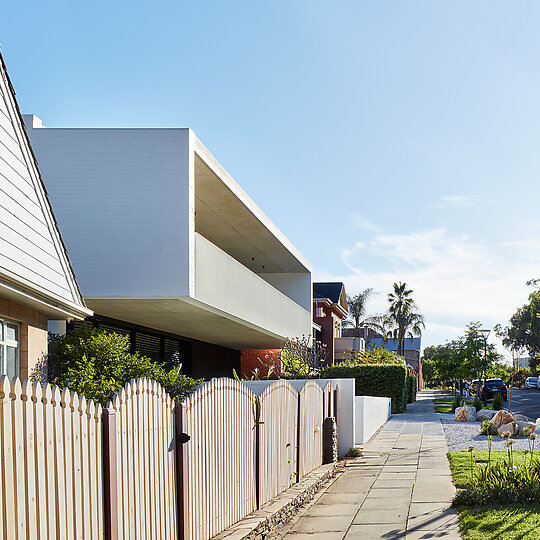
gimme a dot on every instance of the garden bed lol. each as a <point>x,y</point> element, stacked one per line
<point>494,521</point>
<point>461,435</point>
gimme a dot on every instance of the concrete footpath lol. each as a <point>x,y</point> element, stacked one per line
<point>400,488</point>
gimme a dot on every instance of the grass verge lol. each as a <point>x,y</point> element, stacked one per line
<point>444,405</point>
<point>493,522</point>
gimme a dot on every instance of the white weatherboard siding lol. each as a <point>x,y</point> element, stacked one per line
<point>34,268</point>
<point>161,236</point>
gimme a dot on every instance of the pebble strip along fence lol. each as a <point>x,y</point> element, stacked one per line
<point>70,470</point>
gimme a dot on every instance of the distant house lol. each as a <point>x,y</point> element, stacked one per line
<point>170,250</point>
<point>329,311</point>
<point>37,283</point>
<point>374,340</point>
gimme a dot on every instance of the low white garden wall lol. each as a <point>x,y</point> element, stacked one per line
<point>370,414</point>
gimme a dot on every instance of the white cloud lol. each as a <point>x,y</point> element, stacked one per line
<point>456,200</point>
<point>456,279</point>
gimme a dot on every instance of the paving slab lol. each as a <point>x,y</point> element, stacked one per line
<point>401,488</point>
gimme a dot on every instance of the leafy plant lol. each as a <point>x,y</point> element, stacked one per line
<point>498,402</point>
<point>487,428</point>
<point>411,397</point>
<point>457,402</point>
<point>354,452</point>
<point>299,358</point>
<point>96,364</point>
<point>477,403</point>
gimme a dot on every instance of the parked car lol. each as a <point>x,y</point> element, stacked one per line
<point>475,386</point>
<point>492,387</point>
<point>531,382</point>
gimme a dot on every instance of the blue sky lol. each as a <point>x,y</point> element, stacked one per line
<point>388,140</point>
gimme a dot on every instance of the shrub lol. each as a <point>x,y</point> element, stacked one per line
<point>411,394</point>
<point>96,364</point>
<point>498,402</point>
<point>457,402</point>
<point>478,404</point>
<point>385,380</point>
<point>354,452</point>
<point>487,428</point>
<point>379,355</point>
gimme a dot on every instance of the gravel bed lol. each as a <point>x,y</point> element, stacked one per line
<point>461,435</point>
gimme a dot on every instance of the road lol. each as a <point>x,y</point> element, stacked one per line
<point>526,402</point>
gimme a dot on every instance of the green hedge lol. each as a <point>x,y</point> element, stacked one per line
<point>384,380</point>
<point>411,396</point>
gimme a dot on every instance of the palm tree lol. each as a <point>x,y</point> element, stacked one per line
<point>357,311</point>
<point>402,319</point>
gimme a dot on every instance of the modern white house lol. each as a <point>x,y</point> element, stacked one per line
<point>168,247</point>
<point>37,283</point>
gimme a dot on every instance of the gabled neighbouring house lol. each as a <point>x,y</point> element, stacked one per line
<point>169,249</point>
<point>329,311</point>
<point>37,283</point>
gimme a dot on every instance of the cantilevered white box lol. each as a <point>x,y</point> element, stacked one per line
<point>161,236</point>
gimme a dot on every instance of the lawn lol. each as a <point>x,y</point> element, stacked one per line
<point>493,522</point>
<point>444,405</point>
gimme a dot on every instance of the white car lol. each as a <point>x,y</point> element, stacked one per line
<point>531,382</point>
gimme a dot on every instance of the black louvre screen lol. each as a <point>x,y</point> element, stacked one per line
<point>149,346</point>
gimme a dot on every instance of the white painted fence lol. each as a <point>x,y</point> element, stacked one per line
<point>311,420</point>
<point>218,462</point>
<point>70,471</point>
<point>51,463</point>
<point>141,433</point>
<point>278,439</point>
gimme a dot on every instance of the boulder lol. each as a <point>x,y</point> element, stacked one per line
<point>501,418</point>
<point>522,425</point>
<point>522,418</point>
<point>465,414</point>
<point>511,427</point>
<point>484,414</point>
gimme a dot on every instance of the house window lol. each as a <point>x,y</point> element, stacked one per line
<point>9,348</point>
<point>337,329</point>
<point>319,312</point>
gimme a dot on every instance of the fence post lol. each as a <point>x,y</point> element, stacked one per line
<point>109,474</point>
<point>298,437</point>
<point>180,438</point>
<point>258,410</point>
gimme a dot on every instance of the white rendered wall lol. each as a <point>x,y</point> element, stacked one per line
<point>222,282</point>
<point>371,414</point>
<point>122,200</point>
<point>295,286</point>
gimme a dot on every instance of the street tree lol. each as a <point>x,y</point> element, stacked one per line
<point>524,329</point>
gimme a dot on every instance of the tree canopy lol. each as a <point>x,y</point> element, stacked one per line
<point>402,320</point>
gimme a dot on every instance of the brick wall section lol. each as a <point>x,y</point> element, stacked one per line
<point>33,334</point>
<point>249,361</point>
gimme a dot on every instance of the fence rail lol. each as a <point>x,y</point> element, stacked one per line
<point>69,470</point>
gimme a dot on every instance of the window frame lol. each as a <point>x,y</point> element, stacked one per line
<point>14,344</point>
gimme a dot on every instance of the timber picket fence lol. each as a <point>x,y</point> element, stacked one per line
<point>146,467</point>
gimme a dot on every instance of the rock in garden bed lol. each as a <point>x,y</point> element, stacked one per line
<point>460,435</point>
